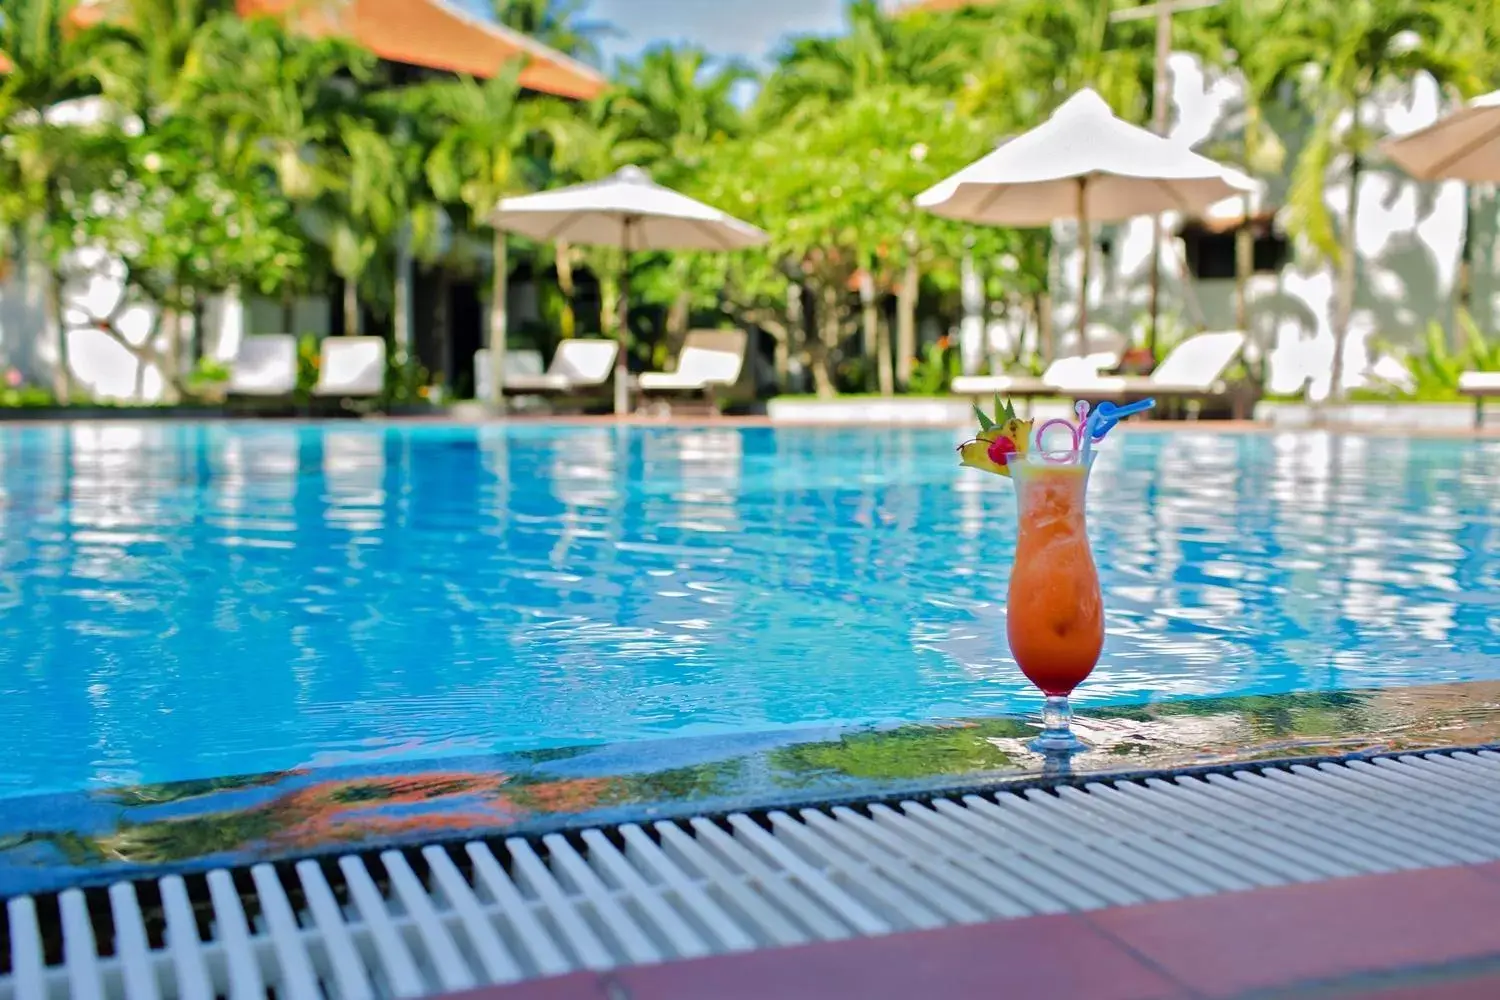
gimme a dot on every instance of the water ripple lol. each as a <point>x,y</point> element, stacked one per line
<point>192,601</point>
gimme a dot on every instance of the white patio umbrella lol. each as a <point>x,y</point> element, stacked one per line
<point>1082,163</point>
<point>1463,146</point>
<point>626,210</point>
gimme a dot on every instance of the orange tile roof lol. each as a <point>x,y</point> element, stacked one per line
<point>438,36</point>
<point>420,33</point>
<point>430,33</point>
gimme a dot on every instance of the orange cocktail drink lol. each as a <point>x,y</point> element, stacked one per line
<point>1055,614</point>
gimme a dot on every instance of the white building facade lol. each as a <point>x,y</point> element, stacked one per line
<point>1409,237</point>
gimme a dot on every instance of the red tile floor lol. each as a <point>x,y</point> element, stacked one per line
<point>1423,935</point>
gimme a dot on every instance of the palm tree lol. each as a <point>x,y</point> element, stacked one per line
<point>43,64</point>
<point>673,104</point>
<point>557,24</point>
<point>1036,53</point>
<point>1225,36</point>
<point>362,210</point>
<point>278,101</point>
<point>877,51</point>
<point>1338,54</point>
<point>478,159</point>
<point>146,53</point>
<point>279,98</point>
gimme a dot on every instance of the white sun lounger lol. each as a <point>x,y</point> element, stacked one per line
<point>516,363</point>
<point>1059,373</point>
<point>1481,386</point>
<point>709,360</point>
<point>351,368</point>
<point>1194,367</point>
<point>577,365</point>
<point>265,365</point>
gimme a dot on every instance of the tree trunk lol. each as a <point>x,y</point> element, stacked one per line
<point>401,321</point>
<point>351,307</point>
<point>1044,326</point>
<point>55,318</point>
<point>1244,264</point>
<point>288,310</point>
<point>609,303</point>
<point>906,321</point>
<point>497,341</point>
<point>783,357</point>
<point>565,284</point>
<point>868,335</point>
<point>195,343</point>
<point>822,347</point>
<point>442,329</point>
<point>877,347</point>
<point>1464,286</point>
<point>885,369</point>
<point>167,356</point>
<point>678,315</point>
<point>1348,275</point>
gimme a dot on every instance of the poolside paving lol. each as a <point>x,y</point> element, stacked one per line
<point>1430,934</point>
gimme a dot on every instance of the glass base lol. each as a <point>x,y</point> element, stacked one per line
<point>1057,741</point>
<point>1057,736</point>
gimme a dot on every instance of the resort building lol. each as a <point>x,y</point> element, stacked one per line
<point>442,315</point>
<point>1409,238</point>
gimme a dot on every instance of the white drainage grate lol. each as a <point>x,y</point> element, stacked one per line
<point>412,923</point>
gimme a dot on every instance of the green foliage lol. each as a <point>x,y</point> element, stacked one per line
<point>1483,352</point>
<point>916,751</point>
<point>26,397</point>
<point>181,227</point>
<point>555,23</point>
<point>309,360</point>
<point>406,384</point>
<point>248,156</point>
<point>1436,367</point>
<point>935,370</point>
<point>207,381</point>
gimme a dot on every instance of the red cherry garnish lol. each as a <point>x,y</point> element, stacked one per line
<point>1001,449</point>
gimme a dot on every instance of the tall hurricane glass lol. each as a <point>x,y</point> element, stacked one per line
<point>1055,612</point>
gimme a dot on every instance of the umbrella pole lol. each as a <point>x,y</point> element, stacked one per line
<point>1085,243</point>
<point>622,332</point>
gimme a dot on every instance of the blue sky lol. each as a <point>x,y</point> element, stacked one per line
<point>749,29</point>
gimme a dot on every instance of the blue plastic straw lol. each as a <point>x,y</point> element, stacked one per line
<point>1104,418</point>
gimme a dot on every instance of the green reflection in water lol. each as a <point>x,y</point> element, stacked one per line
<point>905,753</point>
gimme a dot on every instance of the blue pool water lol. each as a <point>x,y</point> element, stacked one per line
<point>191,601</point>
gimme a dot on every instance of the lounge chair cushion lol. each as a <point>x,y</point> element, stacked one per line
<point>584,362</point>
<point>537,383</point>
<point>517,363</point>
<point>351,366</point>
<point>1059,374</point>
<point>983,385</point>
<point>1479,383</point>
<point>265,365</point>
<point>1200,361</point>
<point>708,358</point>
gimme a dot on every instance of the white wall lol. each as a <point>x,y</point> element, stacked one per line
<point>100,363</point>
<point>1409,237</point>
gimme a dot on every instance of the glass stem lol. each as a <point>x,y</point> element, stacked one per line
<point>1057,736</point>
<point>1057,715</point>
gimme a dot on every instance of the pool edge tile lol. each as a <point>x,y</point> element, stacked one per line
<point>1292,936</point>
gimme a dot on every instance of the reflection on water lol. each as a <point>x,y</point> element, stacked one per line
<point>192,601</point>
<point>54,842</point>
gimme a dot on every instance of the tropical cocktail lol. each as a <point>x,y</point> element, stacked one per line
<point>1054,610</point>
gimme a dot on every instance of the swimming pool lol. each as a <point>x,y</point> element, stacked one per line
<point>186,601</point>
